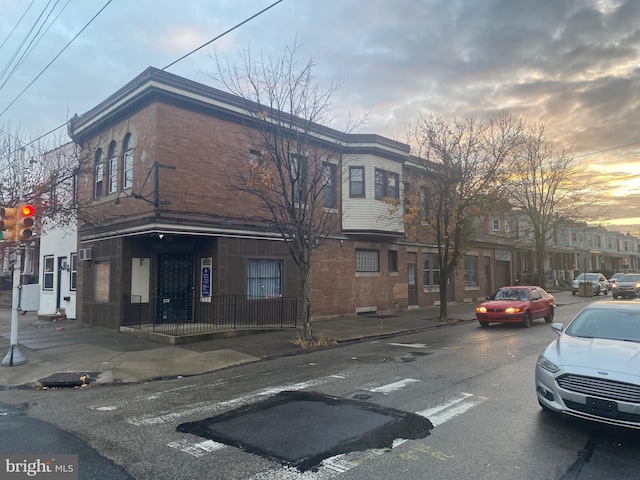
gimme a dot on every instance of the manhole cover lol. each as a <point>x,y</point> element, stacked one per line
<point>68,380</point>
<point>301,429</point>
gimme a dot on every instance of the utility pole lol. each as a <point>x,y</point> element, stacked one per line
<point>14,356</point>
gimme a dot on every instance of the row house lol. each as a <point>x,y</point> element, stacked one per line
<point>164,232</point>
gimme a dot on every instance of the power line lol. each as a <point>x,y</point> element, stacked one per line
<point>606,150</point>
<point>170,65</point>
<point>55,58</point>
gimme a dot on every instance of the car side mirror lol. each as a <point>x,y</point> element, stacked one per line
<point>557,327</point>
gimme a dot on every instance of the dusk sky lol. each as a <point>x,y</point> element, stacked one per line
<point>573,64</point>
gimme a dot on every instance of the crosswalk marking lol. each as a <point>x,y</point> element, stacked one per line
<point>198,449</point>
<point>392,387</point>
<point>451,408</point>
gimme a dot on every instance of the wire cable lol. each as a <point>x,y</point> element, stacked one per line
<point>169,65</point>
<point>55,58</point>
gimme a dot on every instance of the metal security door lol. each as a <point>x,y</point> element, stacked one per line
<point>174,301</point>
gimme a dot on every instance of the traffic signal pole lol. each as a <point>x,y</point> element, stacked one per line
<point>14,356</point>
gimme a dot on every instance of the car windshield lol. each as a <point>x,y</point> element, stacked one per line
<point>608,323</point>
<point>628,278</point>
<point>511,294</point>
<point>589,277</point>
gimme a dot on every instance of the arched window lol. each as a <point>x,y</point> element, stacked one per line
<point>127,162</point>
<point>113,167</point>
<point>99,173</point>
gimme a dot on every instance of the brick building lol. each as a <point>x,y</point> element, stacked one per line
<point>162,215</point>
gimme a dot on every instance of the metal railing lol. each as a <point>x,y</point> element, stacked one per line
<point>174,315</point>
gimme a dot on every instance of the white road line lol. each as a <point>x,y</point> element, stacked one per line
<point>139,398</point>
<point>452,408</point>
<point>409,345</point>
<point>209,407</point>
<point>198,449</point>
<point>392,387</point>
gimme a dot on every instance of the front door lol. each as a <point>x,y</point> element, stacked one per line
<point>174,299</point>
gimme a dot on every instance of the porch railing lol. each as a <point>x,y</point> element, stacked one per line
<point>173,316</point>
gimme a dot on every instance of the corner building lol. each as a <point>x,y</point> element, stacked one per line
<point>162,231</point>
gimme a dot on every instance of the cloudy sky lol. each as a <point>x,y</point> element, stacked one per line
<point>573,64</point>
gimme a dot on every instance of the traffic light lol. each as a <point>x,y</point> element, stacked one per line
<point>24,223</point>
<point>8,222</point>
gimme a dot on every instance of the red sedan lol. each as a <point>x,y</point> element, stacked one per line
<point>517,304</point>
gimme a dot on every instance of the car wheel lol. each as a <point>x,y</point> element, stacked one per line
<point>484,324</point>
<point>549,318</point>
<point>526,321</point>
<point>615,297</point>
<point>596,293</point>
<point>606,292</point>
<point>573,292</point>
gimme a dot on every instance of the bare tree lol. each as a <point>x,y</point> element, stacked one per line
<point>40,172</point>
<point>454,182</point>
<point>545,183</point>
<point>292,172</point>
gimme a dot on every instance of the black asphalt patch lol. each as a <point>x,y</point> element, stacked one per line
<point>301,429</point>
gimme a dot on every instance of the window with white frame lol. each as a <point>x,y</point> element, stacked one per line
<point>99,174</point>
<point>48,272</point>
<point>470,270</point>
<point>431,269</point>
<point>496,225</point>
<point>386,185</point>
<point>113,167</point>
<point>356,182</point>
<point>367,260</point>
<point>127,162</point>
<point>264,278</point>
<point>73,271</point>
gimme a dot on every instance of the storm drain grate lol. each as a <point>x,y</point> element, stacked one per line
<point>301,429</point>
<point>68,380</point>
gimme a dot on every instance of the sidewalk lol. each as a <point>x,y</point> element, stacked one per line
<point>64,351</point>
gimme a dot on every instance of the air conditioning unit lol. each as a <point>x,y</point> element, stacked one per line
<point>84,254</point>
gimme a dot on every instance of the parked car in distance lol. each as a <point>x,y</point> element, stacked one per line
<point>598,280</point>
<point>626,286</point>
<point>517,304</point>
<point>592,370</point>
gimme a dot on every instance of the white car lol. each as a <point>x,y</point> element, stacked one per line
<point>592,370</point>
<point>598,280</point>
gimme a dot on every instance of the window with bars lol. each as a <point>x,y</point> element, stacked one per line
<point>367,260</point>
<point>264,278</point>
